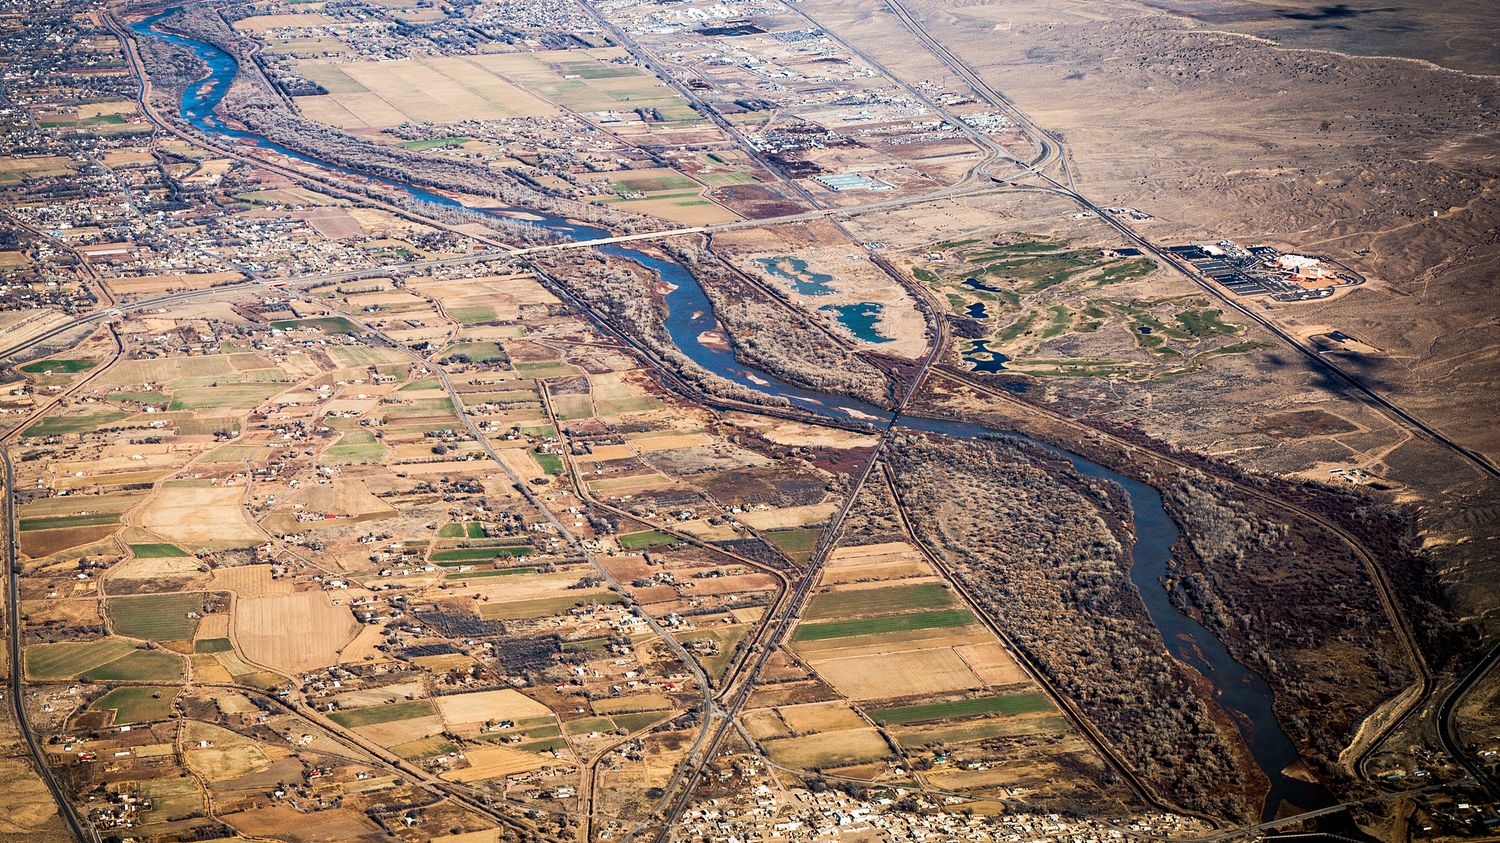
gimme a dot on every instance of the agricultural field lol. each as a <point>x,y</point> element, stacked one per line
<point>165,617</point>
<point>892,638</point>
<point>135,705</point>
<point>434,89</point>
<point>353,502</point>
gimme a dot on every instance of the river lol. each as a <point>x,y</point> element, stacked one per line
<point>1242,692</point>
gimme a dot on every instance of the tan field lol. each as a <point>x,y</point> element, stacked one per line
<point>206,668</point>
<point>639,702</point>
<point>249,581</point>
<point>821,717</point>
<point>898,674</point>
<point>227,756</point>
<point>446,89</point>
<point>335,824</point>
<point>992,664</point>
<point>789,516</point>
<point>764,724</point>
<point>293,632</point>
<point>491,762</point>
<point>213,625</point>
<point>669,441</point>
<point>151,569</point>
<point>261,23</point>
<point>208,516</point>
<point>830,749</point>
<point>508,704</point>
<point>145,284</point>
<point>917,639</point>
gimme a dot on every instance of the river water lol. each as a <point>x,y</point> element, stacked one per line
<point>1242,692</point>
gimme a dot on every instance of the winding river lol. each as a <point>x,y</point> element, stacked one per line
<point>1242,692</point>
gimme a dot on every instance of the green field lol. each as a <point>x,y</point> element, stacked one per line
<point>62,425</point>
<point>157,550</point>
<point>966,731</point>
<point>882,624</point>
<point>60,522</point>
<point>498,572</point>
<point>140,666</point>
<point>544,606</point>
<point>479,554</point>
<point>460,530</point>
<point>872,601</point>
<point>376,714</point>
<point>157,617</point>
<point>59,367</point>
<point>1000,704</point>
<point>551,464</point>
<point>798,543</point>
<point>225,396</point>
<point>472,315</point>
<point>476,352</point>
<point>136,705</point>
<point>434,143</point>
<point>649,538</point>
<point>326,324</point>
<point>356,446</point>
<point>64,660</point>
<point>213,645</point>
<point>424,748</point>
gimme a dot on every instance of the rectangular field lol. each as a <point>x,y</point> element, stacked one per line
<point>898,674</point>
<point>380,94</point>
<point>1000,704</point>
<point>377,714</point>
<point>882,624</point>
<point>159,617</point>
<point>876,601</point>
<point>829,749</point>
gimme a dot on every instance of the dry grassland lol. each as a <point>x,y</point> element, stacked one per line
<point>898,674</point>
<point>830,749</point>
<point>293,632</point>
<point>765,724</point>
<point>398,732</point>
<point>249,581</point>
<point>434,89</point>
<point>331,826</point>
<point>508,704</point>
<point>209,516</point>
<point>148,284</point>
<point>790,516</point>
<point>489,762</point>
<point>992,664</point>
<point>261,23</point>
<point>625,705</point>
<point>155,569</point>
<point>821,717</point>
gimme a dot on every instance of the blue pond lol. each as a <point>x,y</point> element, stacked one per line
<point>804,280</point>
<point>859,318</point>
